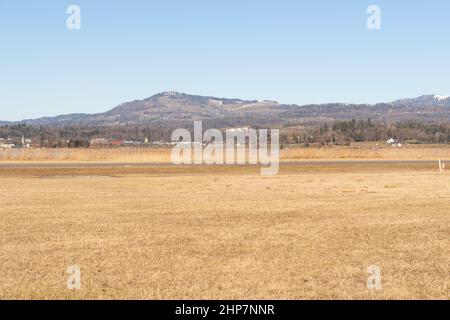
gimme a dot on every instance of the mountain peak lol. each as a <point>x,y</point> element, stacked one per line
<point>171,93</point>
<point>425,100</point>
<point>166,94</point>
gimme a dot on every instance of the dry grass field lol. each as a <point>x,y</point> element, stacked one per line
<point>365,151</point>
<point>225,232</point>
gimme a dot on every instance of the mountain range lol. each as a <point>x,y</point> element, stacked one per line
<point>170,108</point>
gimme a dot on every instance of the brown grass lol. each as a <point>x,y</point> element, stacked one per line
<point>162,155</point>
<point>368,152</point>
<point>112,154</point>
<point>225,233</point>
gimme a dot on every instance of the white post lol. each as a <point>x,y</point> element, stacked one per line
<point>440,165</point>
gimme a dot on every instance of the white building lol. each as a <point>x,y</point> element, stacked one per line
<point>394,143</point>
<point>6,143</point>
<point>239,130</point>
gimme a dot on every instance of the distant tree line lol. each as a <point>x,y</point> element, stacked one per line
<point>81,136</point>
<point>345,132</point>
<point>338,132</point>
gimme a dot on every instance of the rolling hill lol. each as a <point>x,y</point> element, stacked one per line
<point>174,107</point>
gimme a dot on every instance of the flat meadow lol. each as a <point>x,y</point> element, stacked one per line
<point>224,232</point>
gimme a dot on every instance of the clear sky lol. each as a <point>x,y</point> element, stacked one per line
<point>292,51</point>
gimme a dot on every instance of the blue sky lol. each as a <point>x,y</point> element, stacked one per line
<point>291,51</point>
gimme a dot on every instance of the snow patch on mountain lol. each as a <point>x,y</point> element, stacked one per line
<point>440,97</point>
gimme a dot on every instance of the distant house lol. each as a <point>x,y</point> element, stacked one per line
<point>394,143</point>
<point>99,142</point>
<point>132,143</point>
<point>117,143</point>
<point>6,143</point>
<point>239,130</point>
